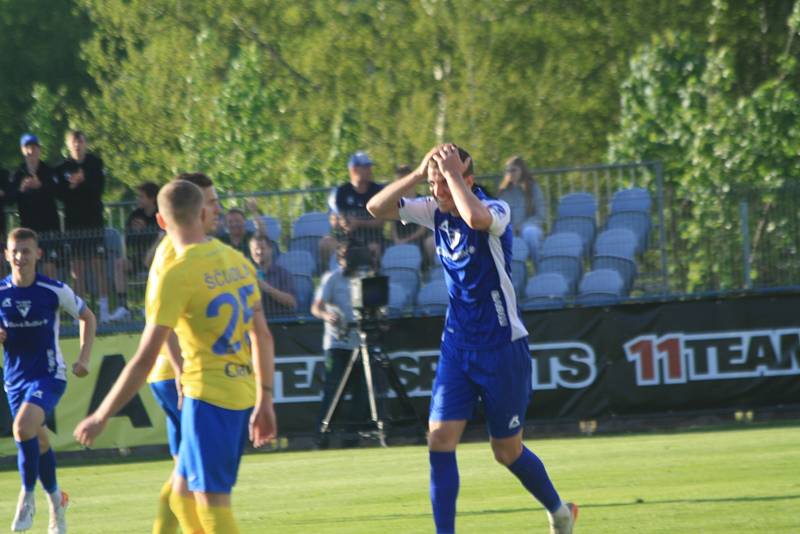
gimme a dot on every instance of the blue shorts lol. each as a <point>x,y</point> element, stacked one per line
<point>166,395</point>
<point>212,442</point>
<point>500,377</point>
<point>44,392</point>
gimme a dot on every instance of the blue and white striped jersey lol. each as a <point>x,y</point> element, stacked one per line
<point>30,317</point>
<point>477,264</point>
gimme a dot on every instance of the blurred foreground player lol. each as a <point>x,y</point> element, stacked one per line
<point>35,373</point>
<point>484,350</point>
<point>209,296</point>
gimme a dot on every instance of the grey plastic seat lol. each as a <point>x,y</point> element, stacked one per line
<point>616,249</point>
<point>398,299</point>
<point>297,262</point>
<point>546,290</point>
<point>433,298</point>
<point>601,286</point>
<point>630,208</point>
<point>633,199</point>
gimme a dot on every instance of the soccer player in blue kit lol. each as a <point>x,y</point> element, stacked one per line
<point>484,349</point>
<point>35,373</point>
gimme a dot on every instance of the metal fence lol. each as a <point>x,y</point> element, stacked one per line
<point>718,241</point>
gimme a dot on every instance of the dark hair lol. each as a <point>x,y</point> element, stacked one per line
<point>72,134</point>
<point>259,236</point>
<point>197,178</point>
<point>149,189</point>
<point>239,211</point>
<point>402,170</point>
<point>22,233</point>
<point>526,182</point>
<point>464,155</point>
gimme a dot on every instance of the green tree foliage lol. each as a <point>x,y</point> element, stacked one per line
<point>39,54</point>
<point>278,93</point>
<point>724,114</point>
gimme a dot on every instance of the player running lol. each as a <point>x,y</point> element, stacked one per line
<point>209,296</point>
<point>484,349</point>
<point>35,373</point>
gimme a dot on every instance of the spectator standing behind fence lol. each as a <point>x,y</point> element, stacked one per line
<point>141,227</point>
<point>348,206</point>
<point>527,203</point>
<point>33,187</point>
<point>276,283</point>
<point>81,182</point>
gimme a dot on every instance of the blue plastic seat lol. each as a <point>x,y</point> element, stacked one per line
<point>616,249</point>
<point>562,253</point>
<point>433,298</point>
<point>581,204</point>
<point>297,262</point>
<point>601,286</point>
<point>546,290</point>
<point>519,266</point>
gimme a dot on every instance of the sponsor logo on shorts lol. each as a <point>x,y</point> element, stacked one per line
<point>514,423</point>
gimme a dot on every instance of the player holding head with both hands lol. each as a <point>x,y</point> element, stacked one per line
<point>484,350</point>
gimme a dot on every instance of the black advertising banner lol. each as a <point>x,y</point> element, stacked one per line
<point>636,358</point>
<point>631,359</point>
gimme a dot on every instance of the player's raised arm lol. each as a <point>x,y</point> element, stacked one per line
<point>87,331</point>
<point>384,204</point>
<point>132,378</point>
<point>263,423</point>
<point>470,208</point>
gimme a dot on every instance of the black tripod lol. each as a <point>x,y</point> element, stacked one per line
<point>362,352</point>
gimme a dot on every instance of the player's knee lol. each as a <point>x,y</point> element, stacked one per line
<point>22,431</point>
<point>506,453</point>
<point>441,440</point>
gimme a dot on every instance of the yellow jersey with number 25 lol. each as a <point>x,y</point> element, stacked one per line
<point>207,295</point>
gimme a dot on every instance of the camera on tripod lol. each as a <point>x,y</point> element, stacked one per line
<point>369,293</point>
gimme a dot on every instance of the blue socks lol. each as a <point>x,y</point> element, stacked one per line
<point>47,471</point>
<point>444,490</point>
<point>28,462</point>
<point>529,469</point>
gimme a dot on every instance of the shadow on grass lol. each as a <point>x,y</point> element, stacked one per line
<point>505,511</point>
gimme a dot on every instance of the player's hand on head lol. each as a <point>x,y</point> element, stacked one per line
<point>449,161</point>
<point>80,369</point>
<point>88,430</point>
<point>422,170</point>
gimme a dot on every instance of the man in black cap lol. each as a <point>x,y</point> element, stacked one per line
<point>33,187</point>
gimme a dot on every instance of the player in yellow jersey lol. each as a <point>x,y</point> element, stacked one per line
<point>163,377</point>
<point>209,296</point>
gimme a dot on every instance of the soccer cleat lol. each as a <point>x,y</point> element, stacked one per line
<point>58,520</point>
<point>26,507</point>
<point>120,314</point>
<point>564,519</point>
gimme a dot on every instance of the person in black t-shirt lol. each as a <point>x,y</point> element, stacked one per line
<point>348,205</point>
<point>81,182</point>
<point>33,188</point>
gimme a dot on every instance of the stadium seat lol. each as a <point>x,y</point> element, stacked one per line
<point>580,204</point>
<point>546,290</point>
<point>616,249</point>
<point>300,265</point>
<point>519,267</point>
<point>398,299</point>
<point>433,298</point>
<point>307,230</point>
<point>436,272</point>
<point>601,286</point>
<point>562,253</point>
<point>585,227</point>
<point>402,263</point>
<point>272,226</point>
<point>630,208</point>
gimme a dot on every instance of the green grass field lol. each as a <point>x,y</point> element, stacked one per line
<point>722,481</point>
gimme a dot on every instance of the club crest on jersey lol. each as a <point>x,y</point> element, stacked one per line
<point>454,235</point>
<point>23,307</point>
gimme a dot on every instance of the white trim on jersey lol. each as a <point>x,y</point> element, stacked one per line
<point>419,210</point>
<point>73,305</point>
<point>501,216</point>
<point>517,328</point>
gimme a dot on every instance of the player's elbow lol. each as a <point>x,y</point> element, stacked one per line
<point>478,221</point>
<point>375,207</point>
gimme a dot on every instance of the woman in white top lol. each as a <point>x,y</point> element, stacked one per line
<point>526,200</point>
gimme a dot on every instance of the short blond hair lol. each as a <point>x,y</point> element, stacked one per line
<point>180,202</point>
